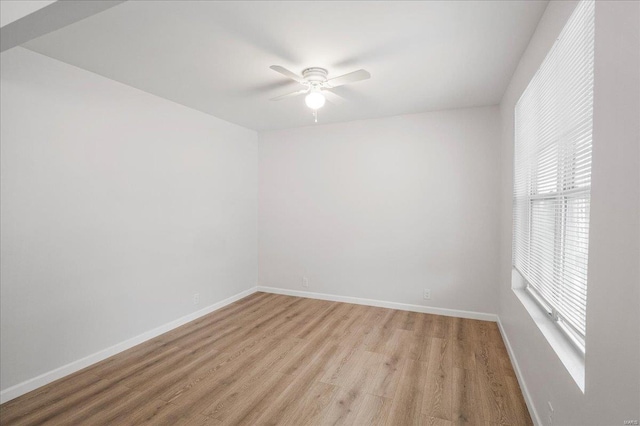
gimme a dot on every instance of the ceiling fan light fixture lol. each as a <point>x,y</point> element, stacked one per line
<point>316,84</point>
<point>315,100</point>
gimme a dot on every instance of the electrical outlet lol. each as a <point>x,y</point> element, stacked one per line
<point>305,282</point>
<point>427,294</point>
<point>550,413</point>
<point>196,298</point>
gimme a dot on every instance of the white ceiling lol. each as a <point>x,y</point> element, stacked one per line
<point>215,56</point>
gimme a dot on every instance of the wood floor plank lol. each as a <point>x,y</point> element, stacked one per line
<point>98,409</point>
<point>195,375</point>
<point>486,331</point>
<point>246,348</point>
<point>330,309</point>
<point>141,366</point>
<point>353,385</point>
<point>463,353</point>
<point>164,385</point>
<point>245,409</point>
<point>158,371</point>
<point>520,410</point>
<point>434,421</point>
<point>409,320</point>
<point>14,411</point>
<point>378,339</point>
<point>402,319</point>
<point>275,359</point>
<point>465,400</point>
<point>505,362</point>
<point>457,329</point>
<point>406,408</point>
<point>54,410</point>
<point>266,323</point>
<point>285,406</point>
<point>265,365</point>
<point>422,335</point>
<point>399,345</point>
<point>437,395</point>
<point>347,330</point>
<point>373,411</point>
<point>387,375</point>
<point>465,329</point>
<point>442,326</point>
<point>495,402</point>
<point>214,387</point>
<point>348,359</point>
<point>314,340</point>
<point>343,408</point>
<point>128,411</point>
<point>310,405</point>
<point>172,415</point>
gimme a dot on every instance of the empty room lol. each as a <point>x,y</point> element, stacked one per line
<point>320,213</point>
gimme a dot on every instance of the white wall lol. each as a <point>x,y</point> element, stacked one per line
<point>117,206</point>
<point>612,392</point>
<point>383,208</point>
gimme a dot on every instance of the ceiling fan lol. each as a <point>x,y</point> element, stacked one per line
<point>317,86</point>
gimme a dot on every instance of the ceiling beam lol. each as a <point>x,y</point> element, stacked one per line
<point>50,18</point>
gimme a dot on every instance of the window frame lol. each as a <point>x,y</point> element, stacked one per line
<point>566,186</point>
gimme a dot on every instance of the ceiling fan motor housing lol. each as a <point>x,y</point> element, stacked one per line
<point>315,75</point>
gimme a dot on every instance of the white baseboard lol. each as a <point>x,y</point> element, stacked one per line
<point>383,304</point>
<point>521,382</point>
<point>50,376</point>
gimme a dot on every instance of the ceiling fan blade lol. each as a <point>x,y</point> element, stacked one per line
<point>351,77</point>
<point>290,95</point>
<point>287,73</point>
<point>333,97</point>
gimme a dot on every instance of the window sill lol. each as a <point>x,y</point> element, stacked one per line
<point>570,357</point>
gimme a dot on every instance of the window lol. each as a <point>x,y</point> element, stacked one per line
<point>552,176</point>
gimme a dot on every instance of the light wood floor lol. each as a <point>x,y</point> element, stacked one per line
<point>271,359</point>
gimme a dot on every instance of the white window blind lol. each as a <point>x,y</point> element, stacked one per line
<point>552,175</point>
